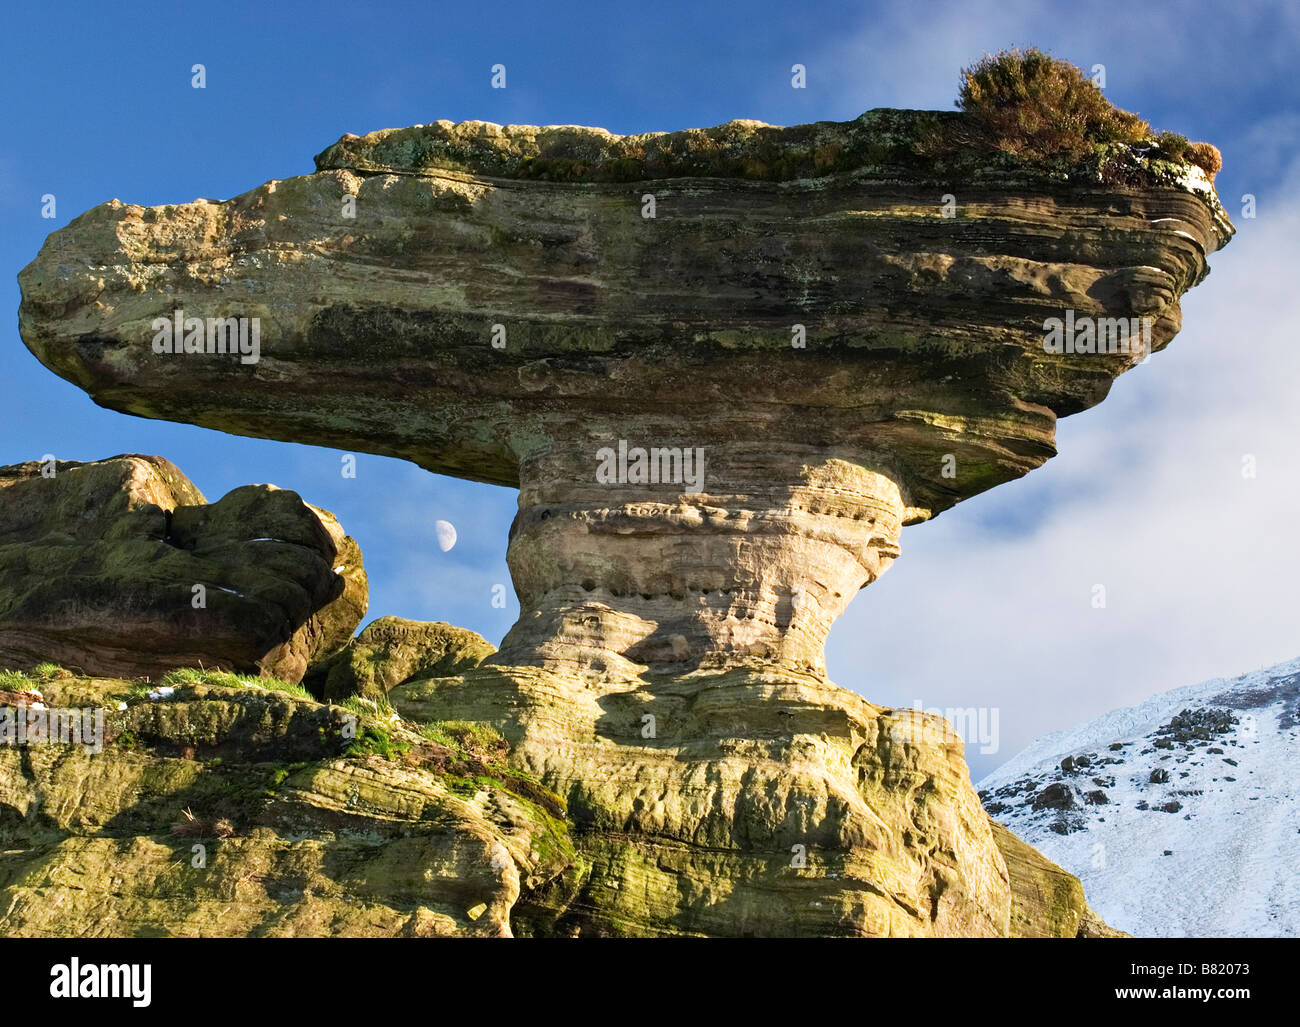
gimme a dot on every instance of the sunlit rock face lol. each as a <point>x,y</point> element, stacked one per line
<point>723,367</point>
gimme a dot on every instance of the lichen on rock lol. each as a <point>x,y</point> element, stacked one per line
<point>245,812</point>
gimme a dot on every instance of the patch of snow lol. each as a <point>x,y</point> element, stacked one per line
<point>1226,862</point>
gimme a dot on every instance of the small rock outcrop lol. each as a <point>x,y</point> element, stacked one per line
<point>1046,902</point>
<point>121,567</point>
<point>392,651</point>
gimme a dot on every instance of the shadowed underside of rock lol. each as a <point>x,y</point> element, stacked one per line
<point>99,563</point>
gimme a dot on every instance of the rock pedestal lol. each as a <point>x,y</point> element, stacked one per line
<point>754,565</point>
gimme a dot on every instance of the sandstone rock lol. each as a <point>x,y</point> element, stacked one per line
<point>392,650</point>
<point>753,801</point>
<point>922,378</point>
<point>305,834</point>
<point>317,839</point>
<point>98,564</point>
<point>835,357</point>
<point>1046,901</point>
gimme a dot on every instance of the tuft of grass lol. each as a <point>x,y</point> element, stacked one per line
<point>1205,156</point>
<point>190,676</point>
<point>365,707</point>
<point>1173,145</point>
<point>474,738</point>
<point>47,671</point>
<point>14,681</point>
<point>1027,103</point>
<point>283,687</point>
<point>227,679</point>
<point>196,827</point>
<point>374,740</point>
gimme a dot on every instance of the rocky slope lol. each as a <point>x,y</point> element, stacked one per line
<point>724,368</point>
<point>221,806</point>
<point>242,809</point>
<point>1181,815</point>
<point>121,567</point>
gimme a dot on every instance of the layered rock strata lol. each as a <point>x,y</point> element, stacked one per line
<point>840,356</point>
<point>229,812</point>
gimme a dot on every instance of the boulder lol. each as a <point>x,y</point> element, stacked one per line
<point>391,651</point>
<point>121,567</point>
<point>1054,796</point>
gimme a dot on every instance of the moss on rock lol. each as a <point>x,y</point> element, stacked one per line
<point>391,651</point>
<point>239,811</point>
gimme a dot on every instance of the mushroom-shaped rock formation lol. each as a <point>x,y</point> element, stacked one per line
<point>724,367</point>
<point>718,416</point>
<point>100,563</point>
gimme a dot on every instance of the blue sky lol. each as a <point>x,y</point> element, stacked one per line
<point>989,605</point>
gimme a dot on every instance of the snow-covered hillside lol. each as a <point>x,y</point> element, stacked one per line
<point>1180,815</point>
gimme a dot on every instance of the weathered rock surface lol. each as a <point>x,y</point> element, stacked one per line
<point>312,821</point>
<point>98,564</point>
<point>754,801</point>
<point>923,381</point>
<point>837,357</point>
<point>302,832</point>
<point>758,802</point>
<point>1046,902</point>
<point>391,651</point>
